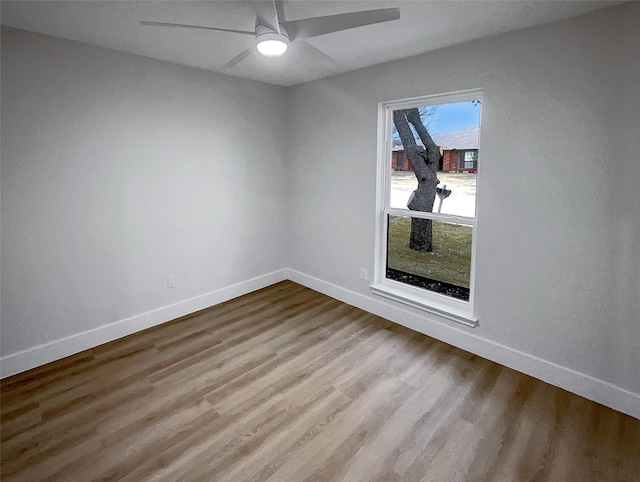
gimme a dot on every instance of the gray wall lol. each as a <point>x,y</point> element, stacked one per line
<point>118,170</point>
<point>558,251</point>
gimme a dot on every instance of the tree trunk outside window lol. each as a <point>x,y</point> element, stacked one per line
<point>424,162</point>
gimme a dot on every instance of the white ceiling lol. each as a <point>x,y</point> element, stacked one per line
<point>423,26</point>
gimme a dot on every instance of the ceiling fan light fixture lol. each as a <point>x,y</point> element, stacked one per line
<point>272,44</point>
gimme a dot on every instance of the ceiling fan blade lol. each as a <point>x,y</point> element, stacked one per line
<point>147,23</point>
<point>311,51</point>
<point>316,26</point>
<point>238,58</point>
<point>279,6</point>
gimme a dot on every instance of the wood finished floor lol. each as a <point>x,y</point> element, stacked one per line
<point>286,384</point>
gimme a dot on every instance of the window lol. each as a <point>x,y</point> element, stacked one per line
<point>425,243</point>
<point>400,159</point>
<point>470,159</point>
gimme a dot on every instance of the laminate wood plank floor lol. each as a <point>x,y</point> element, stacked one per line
<point>286,384</point>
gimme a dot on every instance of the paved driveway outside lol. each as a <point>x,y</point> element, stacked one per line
<point>461,202</point>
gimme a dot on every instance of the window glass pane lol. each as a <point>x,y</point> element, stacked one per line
<point>470,159</point>
<point>448,163</point>
<point>446,269</point>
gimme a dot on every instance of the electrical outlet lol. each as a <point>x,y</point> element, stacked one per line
<point>171,281</point>
<point>363,274</point>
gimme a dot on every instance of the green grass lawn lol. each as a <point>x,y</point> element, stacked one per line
<point>450,260</point>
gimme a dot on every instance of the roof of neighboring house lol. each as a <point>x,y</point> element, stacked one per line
<point>464,139</point>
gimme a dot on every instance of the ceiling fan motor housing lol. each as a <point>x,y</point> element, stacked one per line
<point>271,43</point>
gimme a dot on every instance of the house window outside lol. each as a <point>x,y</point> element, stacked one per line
<point>440,279</point>
<point>470,160</point>
<point>400,159</point>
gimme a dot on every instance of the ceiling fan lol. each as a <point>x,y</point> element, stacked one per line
<point>273,37</point>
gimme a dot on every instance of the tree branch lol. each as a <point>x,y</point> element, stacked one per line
<point>416,158</point>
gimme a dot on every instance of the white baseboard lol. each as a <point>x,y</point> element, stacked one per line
<point>454,334</point>
<point>465,338</point>
<point>55,350</point>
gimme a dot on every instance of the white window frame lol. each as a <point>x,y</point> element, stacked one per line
<point>436,303</point>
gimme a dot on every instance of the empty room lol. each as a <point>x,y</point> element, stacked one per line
<point>320,240</point>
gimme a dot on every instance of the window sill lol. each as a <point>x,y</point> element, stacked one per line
<point>445,308</point>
